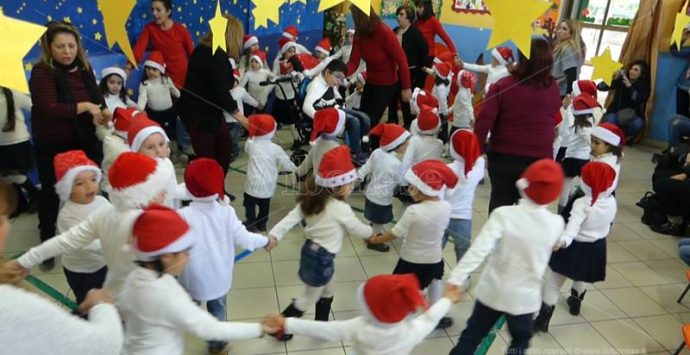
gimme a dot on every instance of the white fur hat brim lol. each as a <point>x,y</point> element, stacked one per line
<point>64,186</point>
<point>114,70</point>
<point>322,50</point>
<point>140,195</point>
<point>250,42</point>
<point>145,133</point>
<point>606,135</point>
<point>340,180</point>
<point>181,244</point>
<point>496,55</point>
<point>152,64</point>
<point>415,181</point>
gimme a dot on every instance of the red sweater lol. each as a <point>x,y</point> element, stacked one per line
<point>386,61</point>
<point>52,120</point>
<point>174,43</point>
<point>520,118</point>
<point>430,28</point>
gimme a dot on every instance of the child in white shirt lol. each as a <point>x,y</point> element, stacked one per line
<point>155,308</point>
<point>255,74</point>
<point>423,145</point>
<point>77,186</point>
<point>329,219</point>
<point>217,231</point>
<point>115,139</point>
<point>284,69</point>
<point>422,226</point>
<point>113,88</point>
<point>353,101</point>
<point>501,59</point>
<point>517,240</point>
<point>395,317</point>
<point>266,159</point>
<point>607,146</point>
<point>156,93</point>
<point>243,98</point>
<point>250,44</point>
<point>463,109</point>
<point>443,77</point>
<point>329,123</point>
<point>580,255</point>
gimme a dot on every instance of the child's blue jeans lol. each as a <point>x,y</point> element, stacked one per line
<point>461,232</point>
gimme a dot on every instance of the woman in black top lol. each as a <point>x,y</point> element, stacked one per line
<point>416,49</point>
<point>206,95</point>
<point>631,91</point>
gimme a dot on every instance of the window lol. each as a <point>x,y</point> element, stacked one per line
<point>605,24</point>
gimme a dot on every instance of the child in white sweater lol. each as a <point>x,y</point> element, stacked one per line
<point>580,255</point>
<point>395,317</point>
<point>217,231</point>
<point>156,93</point>
<point>242,97</point>
<point>115,139</point>
<point>266,160</point>
<point>443,77</point>
<point>329,123</point>
<point>423,145</point>
<point>353,101</point>
<point>463,109</point>
<point>501,59</point>
<point>422,227</point>
<point>517,240</point>
<point>113,88</point>
<point>329,219</point>
<point>255,74</point>
<point>155,308</point>
<point>77,186</point>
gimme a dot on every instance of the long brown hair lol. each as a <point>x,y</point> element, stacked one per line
<point>11,117</point>
<point>55,28</point>
<point>365,25</point>
<point>537,69</point>
<point>575,42</point>
<point>313,198</point>
<point>234,32</point>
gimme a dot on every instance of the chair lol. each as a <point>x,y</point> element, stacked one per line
<point>687,275</point>
<point>686,339</point>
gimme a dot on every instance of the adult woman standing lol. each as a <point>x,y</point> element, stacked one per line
<point>168,37</point>
<point>519,111</point>
<point>429,25</point>
<point>568,56</point>
<point>387,67</point>
<point>67,104</point>
<point>206,94</point>
<point>416,50</point>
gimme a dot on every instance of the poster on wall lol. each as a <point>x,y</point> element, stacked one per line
<point>389,7</point>
<point>470,6</point>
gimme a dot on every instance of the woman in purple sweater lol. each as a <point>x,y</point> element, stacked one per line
<point>519,111</point>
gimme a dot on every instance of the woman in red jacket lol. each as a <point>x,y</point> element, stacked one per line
<point>377,45</point>
<point>430,27</point>
<point>168,37</point>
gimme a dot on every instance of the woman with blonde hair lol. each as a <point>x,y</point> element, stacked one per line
<point>206,94</point>
<point>568,55</point>
<point>67,106</point>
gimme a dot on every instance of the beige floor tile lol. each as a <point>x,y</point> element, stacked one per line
<point>616,254</point>
<point>346,296</point>
<point>673,269</point>
<point>349,269</point>
<point>644,230</point>
<point>460,313</point>
<point>644,250</point>
<point>667,244</point>
<point>252,275</point>
<point>285,272</point>
<point>614,279</point>
<point>666,296</point>
<point>627,337</point>
<point>544,343</point>
<point>287,293</point>
<point>379,264</point>
<point>252,303</point>
<point>332,351</point>
<point>433,346</point>
<point>597,307</point>
<point>305,343</point>
<point>640,274</point>
<point>665,329</point>
<point>634,302</point>
<point>619,233</point>
<point>287,250</point>
<point>581,338</point>
<point>561,315</point>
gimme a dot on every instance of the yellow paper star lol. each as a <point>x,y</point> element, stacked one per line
<point>115,15</point>
<point>364,5</point>
<point>97,36</point>
<point>265,10</point>
<point>302,1</point>
<point>513,21</point>
<point>67,19</point>
<point>18,37</point>
<point>604,66</point>
<point>218,24</point>
<point>94,21</point>
<point>682,19</point>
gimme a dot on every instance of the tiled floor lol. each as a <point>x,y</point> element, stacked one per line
<point>632,312</point>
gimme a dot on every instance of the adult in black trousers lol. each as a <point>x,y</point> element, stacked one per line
<point>672,187</point>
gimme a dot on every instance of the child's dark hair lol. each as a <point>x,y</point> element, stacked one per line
<point>337,65</point>
<point>166,3</point>
<point>145,77</point>
<point>313,198</point>
<point>582,121</point>
<point>11,118</point>
<point>155,265</point>
<point>103,85</point>
<point>616,150</point>
<point>296,63</point>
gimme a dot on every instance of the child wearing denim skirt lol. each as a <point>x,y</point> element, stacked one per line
<point>329,219</point>
<point>422,226</point>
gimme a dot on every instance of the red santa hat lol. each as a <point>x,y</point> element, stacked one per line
<point>585,105</point>
<point>362,77</point>
<point>324,46</point>
<point>585,87</point>
<point>236,74</point>
<point>597,180</point>
<point>204,178</point>
<point>467,80</point>
<point>392,135</point>
<point>442,70</point>
<point>160,230</point>
<point>336,168</point>
<point>259,56</point>
<point>464,146</point>
<point>135,179</point>
<point>557,119</point>
<point>445,57</point>
<point>249,41</point>
<point>114,70</point>
<point>261,126</point>
<point>329,121</point>
<point>123,118</point>
<point>431,177</point>
<point>156,60</point>
<point>391,298</point>
<point>140,129</point>
<point>285,44</point>
<point>291,32</point>
<point>541,182</point>
<point>609,133</point>
<point>428,121</point>
<point>67,166</point>
<point>421,97</point>
<point>503,55</point>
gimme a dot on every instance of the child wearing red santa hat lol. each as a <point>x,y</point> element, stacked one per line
<point>383,167</point>
<point>216,230</point>
<point>424,144</point>
<point>395,317</point>
<point>291,33</point>
<point>77,186</point>
<point>501,60</point>
<point>250,44</point>
<point>422,227</point>
<point>329,123</point>
<point>136,181</point>
<point>256,73</point>
<point>580,87</point>
<point>288,68</point>
<point>115,139</point>
<point>155,308</point>
<point>443,77</point>
<point>266,160</point>
<point>518,241</point>
<point>245,103</point>
<point>329,220</point>
<point>607,146</point>
<point>581,250</point>
<point>463,109</point>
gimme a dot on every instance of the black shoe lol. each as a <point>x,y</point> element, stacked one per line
<point>47,265</point>
<point>290,311</point>
<point>676,229</point>
<point>445,322</point>
<point>541,323</point>
<point>379,247</point>
<point>575,302</point>
<point>323,309</point>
